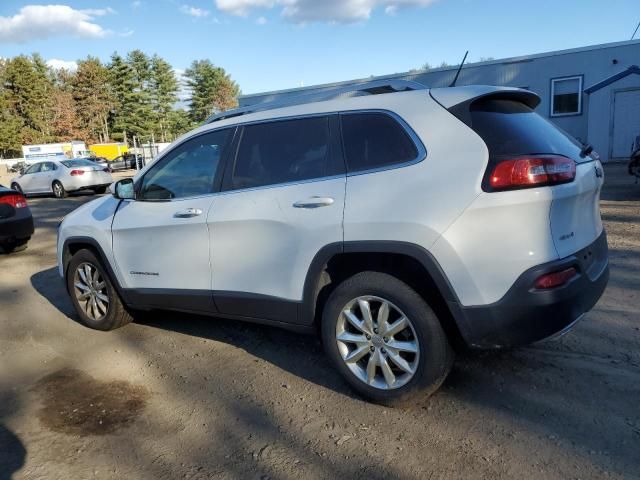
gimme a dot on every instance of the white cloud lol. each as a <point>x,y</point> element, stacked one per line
<point>194,11</point>
<point>261,21</point>
<point>43,21</point>
<point>242,7</point>
<point>303,11</point>
<point>57,64</point>
<point>98,12</point>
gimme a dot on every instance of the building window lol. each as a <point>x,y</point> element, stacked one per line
<point>566,96</point>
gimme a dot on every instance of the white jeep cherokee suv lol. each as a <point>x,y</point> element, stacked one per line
<point>394,221</point>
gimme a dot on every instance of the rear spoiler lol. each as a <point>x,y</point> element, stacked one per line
<point>459,99</point>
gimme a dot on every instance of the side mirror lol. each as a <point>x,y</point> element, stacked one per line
<point>123,189</point>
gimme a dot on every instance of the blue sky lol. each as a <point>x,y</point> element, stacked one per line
<point>275,44</point>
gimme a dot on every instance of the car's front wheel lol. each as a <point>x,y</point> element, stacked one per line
<point>16,187</point>
<point>385,339</point>
<point>100,190</point>
<point>93,294</point>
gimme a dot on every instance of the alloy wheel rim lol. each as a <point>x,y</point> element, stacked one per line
<point>91,291</point>
<point>377,342</point>
<point>57,190</point>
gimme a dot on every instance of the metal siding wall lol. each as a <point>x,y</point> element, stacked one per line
<point>535,74</point>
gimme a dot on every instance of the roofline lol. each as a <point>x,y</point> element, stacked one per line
<point>501,61</point>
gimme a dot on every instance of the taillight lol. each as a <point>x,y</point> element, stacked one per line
<point>16,200</point>
<point>525,172</point>
<point>75,173</point>
<point>555,279</point>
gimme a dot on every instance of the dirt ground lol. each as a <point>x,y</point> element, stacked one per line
<point>178,396</point>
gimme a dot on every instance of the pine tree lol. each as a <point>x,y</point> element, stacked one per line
<point>93,98</point>
<point>141,107</point>
<point>29,86</point>
<point>212,90</point>
<point>122,81</point>
<point>10,124</point>
<point>164,95</point>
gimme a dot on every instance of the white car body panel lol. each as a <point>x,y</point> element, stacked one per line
<point>155,249</point>
<point>575,211</point>
<point>91,220</point>
<point>261,243</point>
<point>406,204</point>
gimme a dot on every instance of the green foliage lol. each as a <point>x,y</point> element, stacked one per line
<point>93,96</point>
<point>212,90</point>
<point>135,95</point>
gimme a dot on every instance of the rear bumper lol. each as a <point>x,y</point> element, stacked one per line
<point>17,228</point>
<point>525,315</point>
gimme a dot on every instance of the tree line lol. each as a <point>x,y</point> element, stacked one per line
<point>131,95</point>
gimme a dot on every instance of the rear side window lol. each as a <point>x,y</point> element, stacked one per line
<point>282,152</point>
<point>511,128</point>
<point>374,140</point>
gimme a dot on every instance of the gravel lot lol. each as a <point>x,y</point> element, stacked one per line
<point>177,396</point>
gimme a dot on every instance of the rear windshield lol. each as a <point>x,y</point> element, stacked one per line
<point>510,128</point>
<point>78,163</point>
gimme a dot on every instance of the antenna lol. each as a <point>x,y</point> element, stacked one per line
<point>635,31</point>
<point>453,84</point>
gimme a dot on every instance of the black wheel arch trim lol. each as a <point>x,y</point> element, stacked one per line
<point>306,314</point>
<point>91,242</point>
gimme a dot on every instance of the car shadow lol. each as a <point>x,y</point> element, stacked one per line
<point>548,386</point>
<point>296,353</point>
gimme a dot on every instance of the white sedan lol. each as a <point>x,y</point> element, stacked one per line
<point>62,176</point>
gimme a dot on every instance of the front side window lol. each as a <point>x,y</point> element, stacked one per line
<point>375,140</point>
<point>33,169</point>
<point>187,171</point>
<point>282,152</point>
<point>566,96</point>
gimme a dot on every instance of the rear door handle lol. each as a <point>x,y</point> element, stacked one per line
<point>314,202</point>
<point>188,213</point>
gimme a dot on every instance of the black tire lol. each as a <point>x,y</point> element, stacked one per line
<point>435,354</point>
<point>16,187</point>
<point>117,314</point>
<point>100,190</point>
<point>58,189</point>
<point>15,246</point>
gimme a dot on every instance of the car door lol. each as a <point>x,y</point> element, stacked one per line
<point>46,176</point>
<point>29,180</point>
<point>160,240</point>
<point>282,201</point>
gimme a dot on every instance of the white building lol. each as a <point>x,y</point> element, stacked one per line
<point>591,92</point>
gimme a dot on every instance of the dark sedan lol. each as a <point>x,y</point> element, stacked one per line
<point>124,162</point>
<point>16,222</point>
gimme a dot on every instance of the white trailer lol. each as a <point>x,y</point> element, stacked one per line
<point>53,151</point>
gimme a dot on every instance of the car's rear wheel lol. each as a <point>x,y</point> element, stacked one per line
<point>93,295</point>
<point>58,189</point>
<point>100,190</point>
<point>385,339</point>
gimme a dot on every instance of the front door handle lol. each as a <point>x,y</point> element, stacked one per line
<point>188,213</point>
<point>314,202</point>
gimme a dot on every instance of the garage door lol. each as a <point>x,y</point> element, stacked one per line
<point>626,122</point>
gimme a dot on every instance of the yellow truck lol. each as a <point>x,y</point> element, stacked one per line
<point>109,150</point>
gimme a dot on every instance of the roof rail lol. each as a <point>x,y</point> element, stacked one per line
<point>375,87</point>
